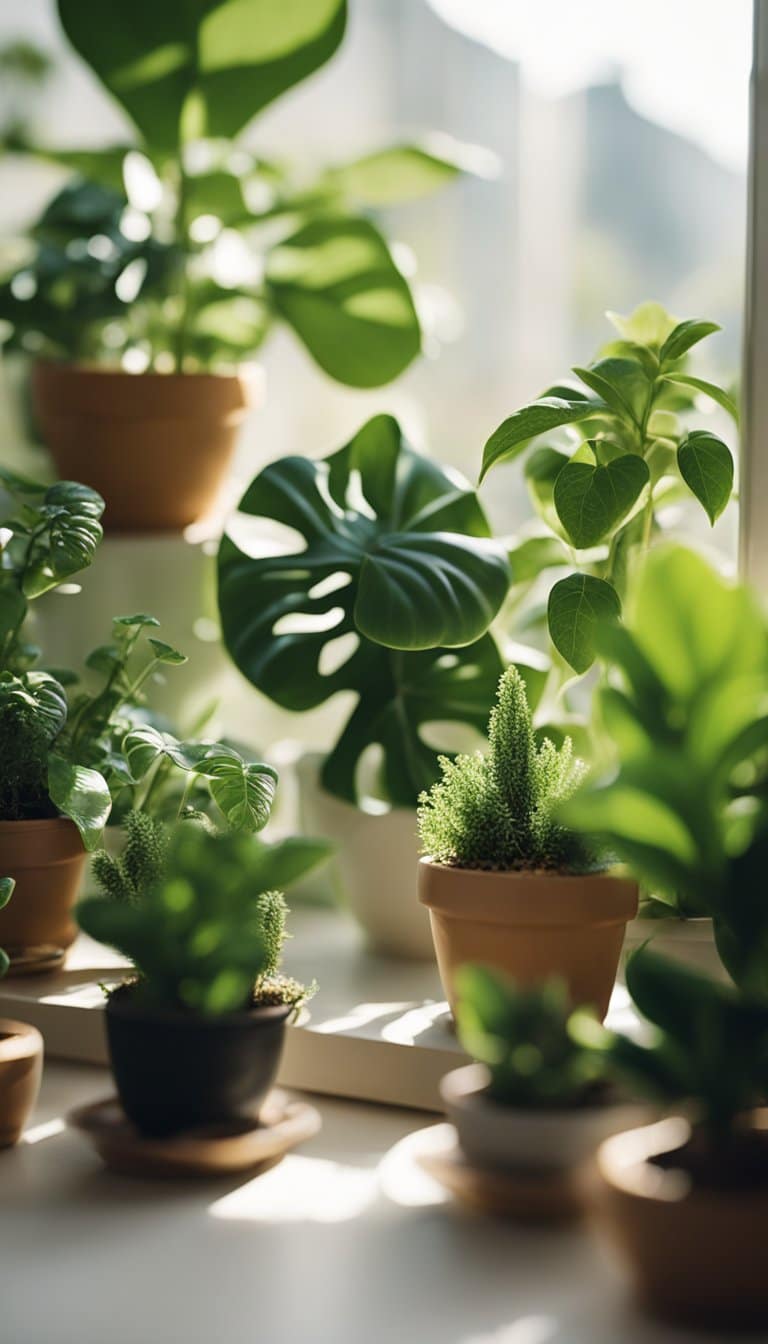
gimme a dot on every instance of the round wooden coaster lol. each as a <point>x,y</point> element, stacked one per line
<point>540,1196</point>
<point>211,1150</point>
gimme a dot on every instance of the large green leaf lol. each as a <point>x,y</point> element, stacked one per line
<point>706,466</point>
<point>591,500</point>
<point>336,284</point>
<point>576,607</point>
<point>513,435</point>
<point>145,745</point>
<point>82,795</point>
<point>398,173</point>
<point>218,62</point>
<point>244,790</point>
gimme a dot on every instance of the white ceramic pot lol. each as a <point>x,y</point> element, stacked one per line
<point>492,1135</point>
<point>374,868</point>
<point>689,941</point>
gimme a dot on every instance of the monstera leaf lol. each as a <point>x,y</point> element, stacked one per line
<point>226,59</point>
<point>395,556</point>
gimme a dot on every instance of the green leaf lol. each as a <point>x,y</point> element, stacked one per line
<point>516,432</point>
<point>80,794</point>
<point>284,862</point>
<point>7,885</point>
<point>141,618</point>
<point>22,486</point>
<point>243,790</point>
<point>622,384</point>
<point>576,607</point>
<point>13,608</point>
<point>685,335</point>
<point>650,324</point>
<point>592,500</point>
<point>529,557</point>
<point>40,694</point>
<point>717,394</point>
<point>142,747</point>
<point>391,176</point>
<point>226,60</point>
<point>706,466</point>
<point>166,654</point>
<point>336,284</point>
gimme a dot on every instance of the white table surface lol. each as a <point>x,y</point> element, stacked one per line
<point>343,1243</point>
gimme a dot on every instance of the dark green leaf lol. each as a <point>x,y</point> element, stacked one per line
<point>166,654</point>
<point>592,500</point>
<point>706,466</point>
<point>141,618</point>
<point>577,605</point>
<point>7,885</point>
<point>685,335</point>
<point>622,384</point>
<point>243,790</point>
<point>13,609</point>
<point>516,432</point>
<point>80,794</point>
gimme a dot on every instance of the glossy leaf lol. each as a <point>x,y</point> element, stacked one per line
<point>684,336</point>
<point>621,383</point>
<point>591,500</point>
<point>243,790</point>
<point>82,795</point>
<point>717,394</point>
<point>706,466</point>
<point>335,283</point>
<point>7,885</point>
<point>143,746</point>
<point>516,432</point>
<point>577,605</point>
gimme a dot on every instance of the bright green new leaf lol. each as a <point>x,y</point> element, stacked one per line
<point>516,432</point>
<point>577,605</point>
<point>592,500</point>
<point>394,175</point>
<point>649,324</point>
<point>80,794</point>
<point>706,466</point>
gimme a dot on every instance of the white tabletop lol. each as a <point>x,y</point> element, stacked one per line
<point>343,1243</point>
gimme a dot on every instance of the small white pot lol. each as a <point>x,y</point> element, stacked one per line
<point>515,1138</point>
<point>375,865</point>
<point>688,941</point>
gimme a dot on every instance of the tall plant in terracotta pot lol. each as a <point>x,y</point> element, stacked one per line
<point>158,272</point>
<point>507,885</point>
<point>386,589</point>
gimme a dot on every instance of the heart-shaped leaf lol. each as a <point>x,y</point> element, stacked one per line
<point>516,432</point>
<point>706,466</point>
<point>243,790</point>
<point>577,605</point>
<point>592,500</point>
<point>80,794</point>
<point>142,747</point>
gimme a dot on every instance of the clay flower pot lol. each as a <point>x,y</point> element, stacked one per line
<point>695,1253</point>
<point>155,445</point>
<point>175,1070</point>
<point>46,858</point>
<point>529,925</point>
<point>21,1068</point>
<point>529,1139</point>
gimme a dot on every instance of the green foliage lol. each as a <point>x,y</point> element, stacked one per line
<point>7,885</point>
<point>127,876</point>
<point>126,257</point>
<point>397,554</point>
<point>709,1047</point>
<point>526,1040</point>
<point>684,709</point>
<point>625,448</point>
<point>499,810</point>
<point>207,934</point>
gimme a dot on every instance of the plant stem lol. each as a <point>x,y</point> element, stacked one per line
<point>183,244</point>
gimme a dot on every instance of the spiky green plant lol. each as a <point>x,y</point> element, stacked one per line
<point>127,876</point>
<point>498,809</point>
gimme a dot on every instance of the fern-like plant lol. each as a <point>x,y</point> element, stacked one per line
<point>498,809</point>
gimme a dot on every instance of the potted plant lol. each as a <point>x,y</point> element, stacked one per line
<point>387,595</point>
<point>682,714</point>
<point>602,455</point>
<point>21,1059</point>
<point>685,1201</point>
<point>505,882</point>
<point>196,1035</point>
<point>158,272</point>
<point>538,1099</point>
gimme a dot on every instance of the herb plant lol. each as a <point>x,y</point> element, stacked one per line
<point>499,809</point>
<point>396,556</point>
<point>207,933</point>
<point>683,713</point>
<point>182,248</point>
<point>601,459</point>
<point>524,1038</point>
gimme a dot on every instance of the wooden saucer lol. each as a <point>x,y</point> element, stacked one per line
<point>535,1197</point>
<point>35,960</point>
<point>210,1150</point>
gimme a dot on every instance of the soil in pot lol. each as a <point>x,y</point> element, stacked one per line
<point>175,1070</point>
<point>692,1230</point>
<point>21,1069</point>
<point>155,445</point>
<point>46,858</point>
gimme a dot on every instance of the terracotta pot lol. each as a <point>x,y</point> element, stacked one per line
<point>155,445</point>
<point>530,925</point>
<point>532,1138</point>
<point>21,1069</point>
<point>175,1070</point>
<point>47,859</point>
<point>695,1253</point>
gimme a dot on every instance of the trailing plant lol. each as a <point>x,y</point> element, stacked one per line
<point>7,885</point>
<point>525,1039</point>
<point>708,1050</point>
<point>387,591</point>
<point>499,809</point>
<point>182,247</point>
<point>601,457</point>
<point>207,933</point>
<point>684,715</point>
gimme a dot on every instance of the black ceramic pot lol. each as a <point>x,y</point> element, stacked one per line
<point>175,1070</point>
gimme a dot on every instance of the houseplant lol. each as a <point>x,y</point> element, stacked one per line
<point>21,1059</point>
<point>684,701</point>
<point>686,1200</point>
<point>601,457</point>
<point>506,884</point>
<point>197,1035</point>
<point>159,270</point>
<point>538,1100</point>
<point>387,592</point>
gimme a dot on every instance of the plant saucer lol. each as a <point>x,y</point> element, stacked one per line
<point>35,960</point>
<point>529,1196</point>
<point>208,1150</point>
